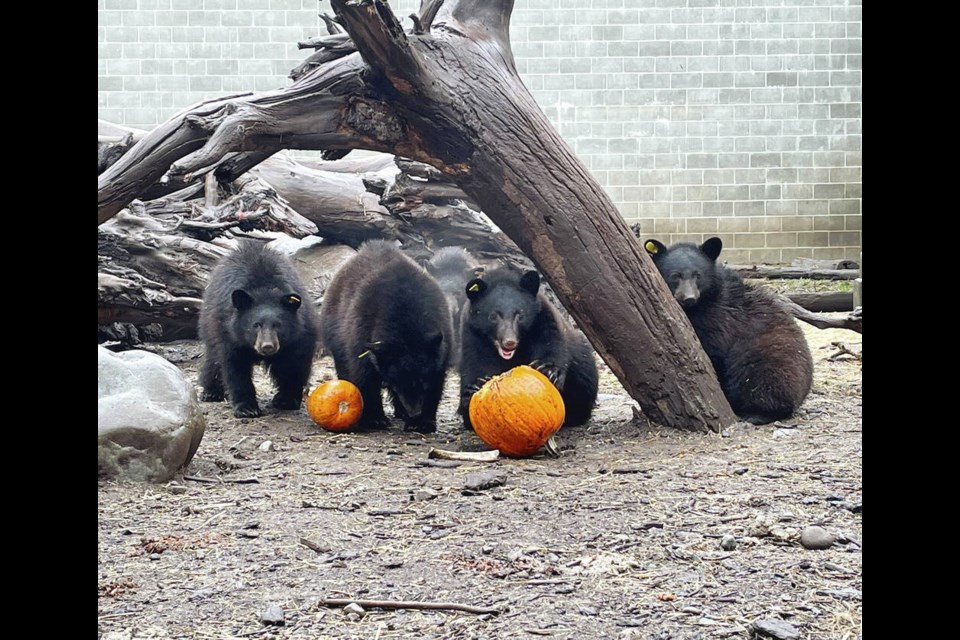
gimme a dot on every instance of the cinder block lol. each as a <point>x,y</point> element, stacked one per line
<point>748,241</point>
<point>718,208</point>
<point>733,192</point>
<point>844,238</point>
<point>733,225</point>
<point>204,18</point>
<point>719,177</point>
<point>854,223</point>
<point>845,207</point>
<point>703,225</point>
<point>748,208</point>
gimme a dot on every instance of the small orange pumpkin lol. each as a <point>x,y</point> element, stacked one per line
<point>335,405</point>
<point>517,411</point>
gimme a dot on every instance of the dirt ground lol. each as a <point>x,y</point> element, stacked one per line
<point>619,537</point>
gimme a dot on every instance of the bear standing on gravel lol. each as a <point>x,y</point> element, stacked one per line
<point>255,309</point>
<point>758,351</point>
<point>387,324</point>
<point>507,322</point>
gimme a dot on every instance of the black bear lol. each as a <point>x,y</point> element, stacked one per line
<point>387,324</point>
<point>508,322</point>
<point>256,309</point>
<point>759,353</point>
<point>453,268</point>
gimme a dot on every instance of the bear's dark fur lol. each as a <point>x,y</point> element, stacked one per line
<point>387,324</point>
<point>759,353</point>
<point>453,268</point>
<point>507,322</point>
<point>256,309</point>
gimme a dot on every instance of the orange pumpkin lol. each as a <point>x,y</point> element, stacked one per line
<point>335,405</point>
<point>517,411</point>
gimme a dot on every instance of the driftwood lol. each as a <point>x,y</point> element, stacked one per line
<point>814,263</point>
<point>448,94</point>
<point>793,273</point>
<point>824,300</point>
<point>853,321</point>
<point>152,300</point>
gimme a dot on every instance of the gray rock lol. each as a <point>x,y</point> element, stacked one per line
<point>354,608</point>
<point>772,628</point>
<point>273,615</point>
<point>814,537</point>
<point>728,543</point>
<point>422,495</point>
<point>149,422</point>
<point>483,480</point>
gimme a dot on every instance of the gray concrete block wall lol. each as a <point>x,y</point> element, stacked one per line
<point>737,118</point>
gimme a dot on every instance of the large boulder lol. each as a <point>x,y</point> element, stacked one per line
<point>149,422</point>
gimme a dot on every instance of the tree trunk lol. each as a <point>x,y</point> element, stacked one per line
<point>448,94</point>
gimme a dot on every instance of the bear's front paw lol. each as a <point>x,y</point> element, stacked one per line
<point>477,384</point>
<point>421,426</point>
<point>246,410</point>
<point>553,373</point>
<point>286,403</point>
<point>211,395</point>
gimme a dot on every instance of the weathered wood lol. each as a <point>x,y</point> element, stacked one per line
<point>853,321</point>
<point>824,300</point>
<point>792,273</point>
<point>814,263</point>
<point>451,97</point>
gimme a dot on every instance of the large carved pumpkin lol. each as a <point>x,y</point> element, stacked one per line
<point>517,411</point>
<point>335,405</point>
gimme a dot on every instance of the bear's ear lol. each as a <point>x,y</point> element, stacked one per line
<point>241,300</point>
<point>475,288</point>
<point>530,282</point>
<point>292,301</point>
<point>655,248</point>
<point>711,248</point>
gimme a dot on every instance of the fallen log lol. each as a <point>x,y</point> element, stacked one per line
<point>793,273</point>
<point>824,300</point>
<point>853,321</point>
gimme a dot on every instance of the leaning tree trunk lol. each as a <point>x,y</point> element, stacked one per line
<point>448,94</point>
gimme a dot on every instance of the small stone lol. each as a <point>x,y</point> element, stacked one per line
<point>814,537</point>
<point>422,495</point>
<point>778,629</point>
<point>273,615</point>
<point>266,445</point>
<point>484,480</point>
<point>154,556</point>
<point>588,611</point>
<point>487,549</point>
<point>354,608</point>
<point>728,543</point>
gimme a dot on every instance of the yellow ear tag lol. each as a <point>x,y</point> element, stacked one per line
<point>475,288</point>
<point>650,247</point>
<point>294,299</point>
<point>364,354</point>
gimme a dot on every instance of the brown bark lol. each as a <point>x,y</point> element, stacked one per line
<point>451,97</point>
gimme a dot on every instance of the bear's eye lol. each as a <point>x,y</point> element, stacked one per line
<point>676,275</point>
<point>495,315</point>
<point>257,325</point>
<point>696,275</point>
